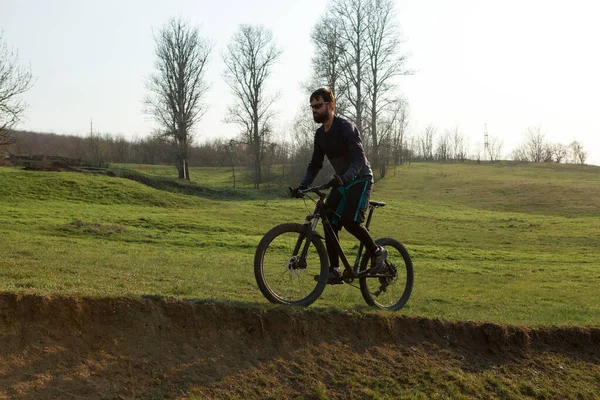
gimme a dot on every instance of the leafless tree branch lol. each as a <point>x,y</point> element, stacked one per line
<point>178,86</point>
<point>14,81</point>
<point>249,58</point>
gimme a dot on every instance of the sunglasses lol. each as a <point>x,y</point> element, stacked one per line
<point>318,105</point>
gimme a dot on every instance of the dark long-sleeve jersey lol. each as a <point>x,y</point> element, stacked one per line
<point>342,146</point>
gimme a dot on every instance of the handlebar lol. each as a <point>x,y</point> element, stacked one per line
<point>315,189</point>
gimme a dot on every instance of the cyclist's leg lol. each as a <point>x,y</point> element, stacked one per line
<point>334,259</point>
<point>334,202</point>
<point>353,213</point>
<point>362,234</point>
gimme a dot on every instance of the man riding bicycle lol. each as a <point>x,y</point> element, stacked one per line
<point>338,139</point>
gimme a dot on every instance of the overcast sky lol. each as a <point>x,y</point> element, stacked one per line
<point>510,64</point>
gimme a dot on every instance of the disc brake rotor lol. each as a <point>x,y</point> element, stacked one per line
<point>292,267</point>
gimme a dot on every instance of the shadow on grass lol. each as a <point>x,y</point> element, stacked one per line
<point>175,185</point>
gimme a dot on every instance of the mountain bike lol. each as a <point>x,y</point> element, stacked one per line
<point>291,265</point>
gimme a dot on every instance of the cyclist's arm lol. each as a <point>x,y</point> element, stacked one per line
<point>315,165</point>
<point>358,159</point>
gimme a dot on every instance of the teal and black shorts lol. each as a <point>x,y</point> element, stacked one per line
<point>349,202</point>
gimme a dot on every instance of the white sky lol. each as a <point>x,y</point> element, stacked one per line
<point>510,64</point>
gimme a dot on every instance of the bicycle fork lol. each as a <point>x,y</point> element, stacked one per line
<point>310,230</point>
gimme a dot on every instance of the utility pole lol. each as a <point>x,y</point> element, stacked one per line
<point>486,143</point>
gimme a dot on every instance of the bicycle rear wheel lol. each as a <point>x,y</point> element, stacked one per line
<point>392,287</point>
<point>283,278</point>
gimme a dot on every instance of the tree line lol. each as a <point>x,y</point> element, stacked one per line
<point>357,54</point>
<point>290,154</point>
<point>536,148</point>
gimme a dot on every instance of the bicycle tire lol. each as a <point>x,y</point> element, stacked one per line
<point>280,283</point>
<point>402,280</point>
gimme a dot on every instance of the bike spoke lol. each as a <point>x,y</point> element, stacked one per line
<point>284,278</point>
<point>391,287</point>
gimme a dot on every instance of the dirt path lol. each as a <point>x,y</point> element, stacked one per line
<point>75,348</point>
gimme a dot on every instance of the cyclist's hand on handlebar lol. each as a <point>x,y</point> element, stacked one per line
<point>296,192</point>
<point>335,181</point>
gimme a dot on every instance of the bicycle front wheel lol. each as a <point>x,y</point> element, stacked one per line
<point>390,288</point>
<point>282,275</point>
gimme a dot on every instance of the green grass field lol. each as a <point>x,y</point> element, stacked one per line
<point>510,243</point>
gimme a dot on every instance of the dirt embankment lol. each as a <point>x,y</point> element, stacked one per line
<point>121,348</point>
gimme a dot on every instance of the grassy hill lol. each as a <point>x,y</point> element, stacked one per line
<point>502,242</point>
<point>144,288</point>
<point>149,348</point>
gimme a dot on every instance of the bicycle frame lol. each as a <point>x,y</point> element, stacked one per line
<point>311,223</point>
<point>285,278</point>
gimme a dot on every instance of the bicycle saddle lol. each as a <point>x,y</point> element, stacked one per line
<point>377,203</point>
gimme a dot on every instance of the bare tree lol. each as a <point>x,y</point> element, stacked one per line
<point>384,64</point>
<point>399,140</point>
<point>352,17</point>
<point>578,155</point>
<point>391,137</point>
<point>327,63</point>
<point>458,146</point>
<point>14,81</point>
<point>98,151</point>
<point>494,148</point>
<point>444,147</point>
<point>120,149</point>
<point>477,153</point>
<point>152,148</point>
<point>301,135</point>
<point>399,124</point>
<point>304,127</point>
<point>231,151</point>
<point>249,58</point>
<point>519,154</point>
<point>179,85</point>
<point>534,148</point>
<point>559,152</point>
<point>357,55</point>
<point>425,142</point>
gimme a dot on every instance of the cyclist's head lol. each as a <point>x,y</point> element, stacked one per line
<point>323,94</point>
<point>322,104</point>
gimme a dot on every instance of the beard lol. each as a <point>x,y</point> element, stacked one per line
<point>319,118</point>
